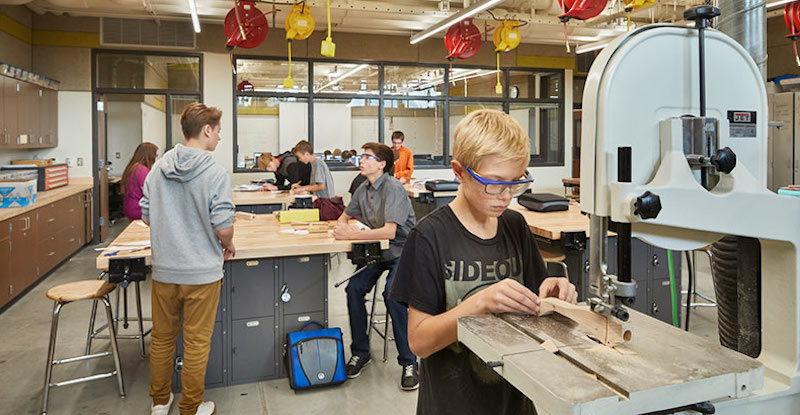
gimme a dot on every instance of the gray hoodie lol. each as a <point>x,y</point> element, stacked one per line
<point>187,196</point>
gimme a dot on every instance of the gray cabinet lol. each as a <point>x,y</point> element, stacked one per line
<point>252,288</point>
<point>304,284</point>
<point>253,349</point>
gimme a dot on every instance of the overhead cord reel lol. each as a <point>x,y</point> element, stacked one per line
<point>299,25</point>
<point>579,9</point>
<point>631,5</point>
<point>791,16</point>
<point>328,48</point>
<point>245,26</point>
<point>506,38</point>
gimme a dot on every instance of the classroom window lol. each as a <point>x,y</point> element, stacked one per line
<point>543,123</point>
<point>270,76</point>
<point>475,82</point>
<point>139,71</point>
<point>268,124</point>
<point>424,81</point>
<point>422,124</point>
<point>346,78</point>
<point>344,124</point>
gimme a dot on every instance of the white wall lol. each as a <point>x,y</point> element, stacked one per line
<point>423,135</point>
<point>124,133</point>
<point>331,129</point>
<point>74,135</point>
<point>154,127</point>
<point>293,125</point>
<point>258,133</point>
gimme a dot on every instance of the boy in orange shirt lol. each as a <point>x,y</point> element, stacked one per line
<point>404,165</point>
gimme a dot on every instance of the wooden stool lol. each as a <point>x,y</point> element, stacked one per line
<point>554,256</point>
<point>68,293</point>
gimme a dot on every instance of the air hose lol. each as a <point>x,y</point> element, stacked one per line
<point>673,290</point>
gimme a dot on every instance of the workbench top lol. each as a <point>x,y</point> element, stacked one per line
<point>76,185</point>
<point>550,225</point>
<point>414,190</point>
<point>263,198</point>
<point>257,238</point>
<point>661,367</point>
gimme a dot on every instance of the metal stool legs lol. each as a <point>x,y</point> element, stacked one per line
<point>690,297</point>
<point>373,322</point>
<point>94,334</point>
<point>51,352</point>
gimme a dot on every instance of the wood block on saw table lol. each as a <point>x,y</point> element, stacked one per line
<point>609,330</point>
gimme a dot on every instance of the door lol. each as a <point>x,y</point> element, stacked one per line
<point>23,250</point>
<point>783,140</point>
<point>5,262</point>
<point>102,168</point>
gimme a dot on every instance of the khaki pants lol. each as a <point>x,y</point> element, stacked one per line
<point>197,304</point>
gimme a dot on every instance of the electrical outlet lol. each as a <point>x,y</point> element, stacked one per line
<point>117,155</point>
<point>70,162</point>
<point>80,161</point>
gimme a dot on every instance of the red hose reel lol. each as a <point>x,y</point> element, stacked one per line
<point>791,16</point>
<point>462,40</point>
<point>245,25</point>
<point>581,9</point>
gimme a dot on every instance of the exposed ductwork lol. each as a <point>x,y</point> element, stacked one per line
<point>746,21</point>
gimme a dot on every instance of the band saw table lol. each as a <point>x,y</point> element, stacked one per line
<point>662,367</point>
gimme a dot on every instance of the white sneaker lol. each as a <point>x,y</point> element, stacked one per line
<point>162,409</point>
<point>206,408</point>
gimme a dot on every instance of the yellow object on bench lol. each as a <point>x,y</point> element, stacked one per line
<point>298,215</point>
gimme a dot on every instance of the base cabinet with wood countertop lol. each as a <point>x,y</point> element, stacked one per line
<point>261,301</point>
<point>34,242</point>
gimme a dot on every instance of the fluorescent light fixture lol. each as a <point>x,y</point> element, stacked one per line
<point>195,19</point>
<point>778,3</point>
<point>347,74</point>
<point>449,21</point>
<point>467,75</point>
<point>590,47</point>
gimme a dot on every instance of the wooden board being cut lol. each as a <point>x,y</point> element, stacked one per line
<point>662,367</point>
<point>260,237</point>
<point>606,329</point>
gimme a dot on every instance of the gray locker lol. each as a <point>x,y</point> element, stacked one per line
<point>252,288</point>
<point>304,280</point>
<point>253,349</point>
<point>244,208</point>
<point>661,301</point>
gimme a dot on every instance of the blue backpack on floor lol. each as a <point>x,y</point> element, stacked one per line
<point>315,358</point>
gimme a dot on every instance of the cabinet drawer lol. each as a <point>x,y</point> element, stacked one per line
<point>50,253</point>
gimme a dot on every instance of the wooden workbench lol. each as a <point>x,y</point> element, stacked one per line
<point>257,238</point>
<point>662,367</point>
<point>76,185</point>
<point>550,225</point>
<point>254,316</point>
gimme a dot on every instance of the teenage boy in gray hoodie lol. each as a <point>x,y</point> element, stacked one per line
<point>188,203</point>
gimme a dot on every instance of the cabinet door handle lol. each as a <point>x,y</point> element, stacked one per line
<point>51,220</point>
<point>71,240</point>
<point>51,254</point>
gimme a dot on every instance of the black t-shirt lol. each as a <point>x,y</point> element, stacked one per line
<point>292,171</point>
<point>442,264</point>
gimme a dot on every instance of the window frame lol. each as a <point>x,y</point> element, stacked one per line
<point>310,95</point>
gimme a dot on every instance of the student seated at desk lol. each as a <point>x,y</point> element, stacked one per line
<point>321,180</point>
<point>404,165</point>
<point>288,171</point>
<point>473,257</point>
<point>381,203</point>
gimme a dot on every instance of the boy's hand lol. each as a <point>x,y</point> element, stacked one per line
<point>508,296</point>
<point>344,231</point>
<point>268,186</point>
<point>558,287</point>
<point>296,187</point>
<point>228,252</point>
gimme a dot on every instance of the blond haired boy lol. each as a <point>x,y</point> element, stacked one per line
<point>473,257</point>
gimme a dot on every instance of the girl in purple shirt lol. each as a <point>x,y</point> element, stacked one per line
<point>133,178</point>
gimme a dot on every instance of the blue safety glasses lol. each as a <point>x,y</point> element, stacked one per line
<point>365,156</point>
<point>496,187</point>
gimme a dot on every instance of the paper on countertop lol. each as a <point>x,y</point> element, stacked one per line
<point>295,231</point>
<point>361,226</point>
<point>247,188</point>
<point>142,224</point>
<point>133,243</point>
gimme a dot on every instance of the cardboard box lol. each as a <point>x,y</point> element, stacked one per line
<point>17,189</point>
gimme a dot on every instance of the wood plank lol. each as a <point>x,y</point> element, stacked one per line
<point>76,185</point>
<point>260,237</point>
<point>606,329</point>
<point>662,367</point>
